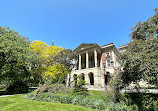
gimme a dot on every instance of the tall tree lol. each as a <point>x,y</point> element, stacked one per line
<point>15,56</point>
<point>49,69</point>
<point>140,59</point>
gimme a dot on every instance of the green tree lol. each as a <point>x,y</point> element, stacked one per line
<point>64,60</point>
<point>15,56</point>
<point>55,62</point>
<point>79,86</point>
<point>140,59</point>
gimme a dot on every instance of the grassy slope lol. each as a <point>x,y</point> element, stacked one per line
<point>17,103</point>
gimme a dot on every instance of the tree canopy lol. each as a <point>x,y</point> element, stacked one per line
<point>140,58</point>
<point>15,56</point>
<point>55,62</point>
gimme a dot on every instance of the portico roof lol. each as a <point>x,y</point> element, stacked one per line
<point>86,46</point>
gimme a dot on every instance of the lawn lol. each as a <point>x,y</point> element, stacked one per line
<point>18,103</point>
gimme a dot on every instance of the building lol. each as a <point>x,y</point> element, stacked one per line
<point>96,64</point>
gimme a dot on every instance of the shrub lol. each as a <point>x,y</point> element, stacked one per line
<point>30,96</point>
<point>18,87</point>
<point>67,99</point>
<point>58,88</point>
<point>120,106</point>
<point>54,88</point>
<point>79,88</point>
<point>41,89</point>
<point>77,99</point>
<point>144,101</point>
<point>155,103</point>
<point>99,104</point>
<point>125,98</point>
<point>149,103</point>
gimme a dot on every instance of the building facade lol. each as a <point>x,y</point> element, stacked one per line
<point>96,64</point>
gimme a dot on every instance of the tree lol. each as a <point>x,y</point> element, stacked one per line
<point>15,56</point>
<point>79,86</point>
<point>51,70</point>
<point>140,59</point>
<point>147,29</point>
<point>64,59</point>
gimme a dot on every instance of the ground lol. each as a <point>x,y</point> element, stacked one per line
<point>18,103</point>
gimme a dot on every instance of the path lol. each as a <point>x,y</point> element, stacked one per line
<point>9,95</point>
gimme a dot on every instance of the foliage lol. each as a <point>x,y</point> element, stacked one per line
<point>139,60</point>
<point>147,29</point>
<point>121,107</point>
<point>95,101</point>
<point>64,59</point>
<point>18,103</point>
<point>53,88</point>
<point>79,87</point>
<point>18,87</point>
<point>49,69</point>
<point>44,49</point>
<point>144,101</point>
<point>15,57</point>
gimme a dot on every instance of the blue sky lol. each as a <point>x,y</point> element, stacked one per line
<point>72,22</point>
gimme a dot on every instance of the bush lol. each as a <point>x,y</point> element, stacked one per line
<point>62,98</point>
<point>121,107</point>
<point>18,87</point>
<point>155,103</point>
<point>79,88</point>
<point>86,102</point>
<point>77,100</point>
<point>99,104</point>
<point>30,96</point>
<point>144,101</point>
<point>54,88</point>
<point>95,102</point>
<point>58,88</point>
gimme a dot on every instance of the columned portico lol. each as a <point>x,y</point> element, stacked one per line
<point>89,62</point>
<point>95,62</point>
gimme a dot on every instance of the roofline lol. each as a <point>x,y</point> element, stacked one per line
<point>101,47</point>
<point>85,44</point>
<point>106,44</point>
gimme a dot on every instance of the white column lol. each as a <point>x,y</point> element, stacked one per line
<point>95,57</point>
<point>87,60</point>
<point>74,64</point>
<point>101,62</point>
<point>79,61</point>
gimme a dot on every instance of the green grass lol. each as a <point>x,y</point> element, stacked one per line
<point>18,103</point>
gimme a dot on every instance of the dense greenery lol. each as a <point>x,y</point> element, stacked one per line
<point>15,57</point>
<point>55,62</point>
<point>140,58</point>
<point>30,63</point>
<point>138,62</point>
<point>95,99</point>
<point>18,103</point>
<point>79,86</point>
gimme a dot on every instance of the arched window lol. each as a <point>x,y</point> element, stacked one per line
<point>83,78</point>
<point>91,77</point>
<point>106,77</point>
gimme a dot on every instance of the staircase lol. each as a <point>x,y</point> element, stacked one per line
<point>98,88</point>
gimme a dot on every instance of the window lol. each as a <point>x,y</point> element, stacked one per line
<point>107,54</point>
<point>108,63</point>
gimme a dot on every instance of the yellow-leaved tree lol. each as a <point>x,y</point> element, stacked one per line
<point>48,68</point>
